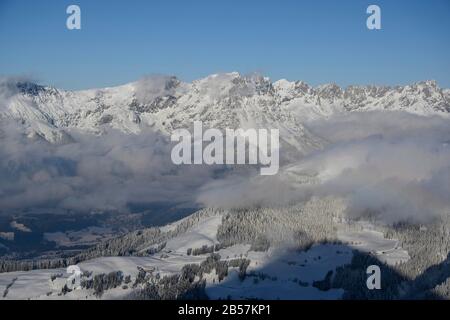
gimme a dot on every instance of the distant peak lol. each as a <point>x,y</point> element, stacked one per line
<point>427,83</point>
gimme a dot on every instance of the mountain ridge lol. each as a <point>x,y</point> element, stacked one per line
<point>165,103</point>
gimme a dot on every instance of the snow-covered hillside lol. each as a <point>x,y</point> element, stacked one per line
<point>305,251</point>
<point>252,267</point>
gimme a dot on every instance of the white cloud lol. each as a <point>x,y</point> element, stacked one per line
<point>93,172</point>
<point>392,164</point>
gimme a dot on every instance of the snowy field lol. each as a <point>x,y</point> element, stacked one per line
<point>373,242</point>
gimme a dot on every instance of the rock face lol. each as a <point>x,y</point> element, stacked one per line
<point>220,100</point>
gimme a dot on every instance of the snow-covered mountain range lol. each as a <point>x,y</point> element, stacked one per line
<point>372,188</point>
<point>221,100</point>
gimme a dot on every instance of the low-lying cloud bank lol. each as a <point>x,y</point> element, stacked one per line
<point>105,172</point>
<point>392,164</point>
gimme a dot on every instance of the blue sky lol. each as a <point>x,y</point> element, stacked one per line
<point>317,41</point>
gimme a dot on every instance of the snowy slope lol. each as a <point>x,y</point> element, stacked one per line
<point>279,272</point>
